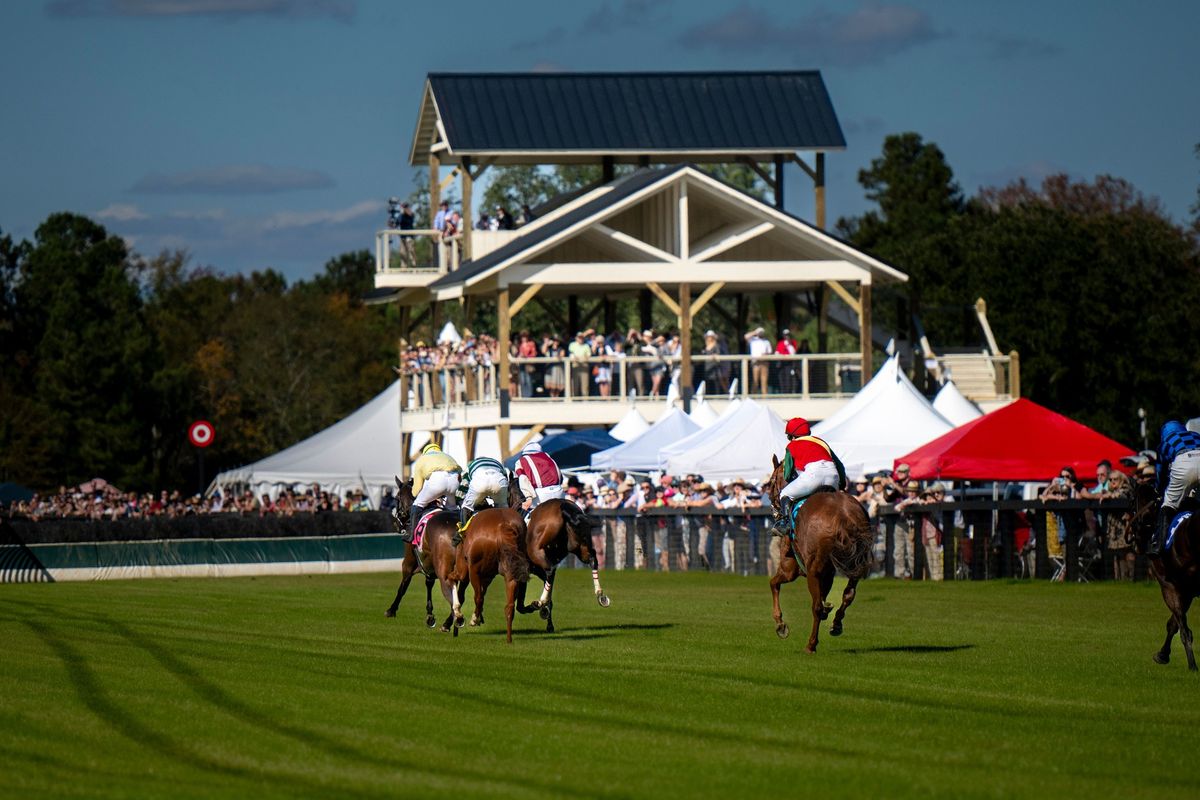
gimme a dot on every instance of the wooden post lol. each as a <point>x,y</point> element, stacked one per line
<point>1014,374</point>
<point>864,330</point>
<point>470,435</point>
<point>819,190</point>
<point>468,186</point>
<point>503,335</point>
<point>405,454</point>
<point>573,326</point>
<point>645,309</point>
<point>685,345</point>
<point>435,186</point>
<point>779,185</point>
<point>743,322</point>
<point>822,319</point>
<point>606,169</point>
<point>435,322</point>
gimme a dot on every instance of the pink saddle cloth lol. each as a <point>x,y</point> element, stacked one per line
<point>419,531</point>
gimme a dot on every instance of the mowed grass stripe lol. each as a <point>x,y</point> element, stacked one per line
<point>299,686</point>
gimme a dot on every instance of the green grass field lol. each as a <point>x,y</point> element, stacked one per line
<point>300,686</point>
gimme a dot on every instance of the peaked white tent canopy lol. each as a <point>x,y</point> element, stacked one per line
<point>361,451</point>
<point>739,445</point>
<point>698,438</point>
<point>641,454</point>
<point>895,419</point>
<point>886,375</point>
<point>703,415</point>
<point>951,404</point>
<point>632,425</point>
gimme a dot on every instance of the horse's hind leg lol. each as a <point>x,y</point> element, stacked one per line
<point>510,588</point>
<point>449,588</point>
<point>430,620</point>
<point>546,604</point>
<point>406,575</point>
<point>521,607</point>
<point>1185,635</point>
<point>789,570</point>
<point>478,587</point>
<point>1163,656</point>
<point>847,598</point>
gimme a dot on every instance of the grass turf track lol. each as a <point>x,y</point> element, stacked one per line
<point>299,686</point>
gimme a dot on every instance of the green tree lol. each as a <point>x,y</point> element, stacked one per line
<point>351,274</point>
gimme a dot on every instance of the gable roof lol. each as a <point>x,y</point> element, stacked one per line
<point>603,201</point>
<point>632,112</point>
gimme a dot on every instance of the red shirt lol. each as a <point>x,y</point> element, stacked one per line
<point>786,347</point>
<point>805,452</point>
<point>540,469</point>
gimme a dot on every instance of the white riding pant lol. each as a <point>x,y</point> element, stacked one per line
<point>486,484</point>
<point>546,493</point>
<point>439,486</point>
<point>1185,475</point>
<point>814,475</point>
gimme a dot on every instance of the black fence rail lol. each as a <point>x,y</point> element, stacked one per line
<point>193,526</point>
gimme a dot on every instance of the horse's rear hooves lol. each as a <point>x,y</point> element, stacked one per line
<point>544,612</point>
<point>782,630</point>
<point>1159,658</point>
<point>390,613</point>
<point>549,629</point>
<point>836,630</point>
<point>430,622</point>
<point>603,600</point>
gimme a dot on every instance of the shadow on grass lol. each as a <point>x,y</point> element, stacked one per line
<point>913,648</point>
<point>571,634</point>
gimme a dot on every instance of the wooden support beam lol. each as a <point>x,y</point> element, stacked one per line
<point>705,296</point>
<point>435,186</point>
<point>630,243</point>
<point>470,436</point>
<point>779,182</point>
<point>800,162</point>
<point>847,298</point>
<point>684,243</point>
<point>523,298</point>
<point>406,458</point>
<point>822,319</point>
<point>502,432</point>
<point>864,330</point>
<point>727,239</point>
<point>591,314</point>
<point>819,190</point>
<point>468,220</point>
<point>661,294</point>
<point>767,178</point>
<point>524,440</point>
<point>482,168</point>
<point>725,315</point>
<point>685,345</point>
<point>503,337</point>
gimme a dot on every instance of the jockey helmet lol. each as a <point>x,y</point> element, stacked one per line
<point>431,446</point>
<point>797,426</point>
<point>532,447</point>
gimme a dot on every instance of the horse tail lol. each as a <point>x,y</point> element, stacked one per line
<point>853,552</point>
<point>576,517</point>
<point>514,565</point>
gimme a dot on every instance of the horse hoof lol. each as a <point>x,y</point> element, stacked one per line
<point>430,621</point>
<point>460,621</point>
<point>782,630</point>
<point>835,630</point>
<point>544,612</point>
<point>455,629</point>
<point>444,629</point>
<point>1159,658</point>
<point>390,613</point>
<point>603,600</point>
<point>549,629</point>
<point>812,651</point>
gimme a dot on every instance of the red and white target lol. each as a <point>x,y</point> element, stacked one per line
<point>201,433</point>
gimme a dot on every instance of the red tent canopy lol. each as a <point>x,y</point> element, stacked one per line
<point>1019,442</point>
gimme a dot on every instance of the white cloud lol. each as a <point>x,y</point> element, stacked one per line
<point>303,219</point>
<point>121,212</point>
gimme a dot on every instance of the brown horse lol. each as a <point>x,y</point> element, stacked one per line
<point>436,559</point>
<point>493,544</point>
<point>1177,569</point>
<point>832,533</point>
<point>557,528</point>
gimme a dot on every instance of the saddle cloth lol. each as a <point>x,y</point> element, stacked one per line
<point>419,531</point>
<point>1180,518</point>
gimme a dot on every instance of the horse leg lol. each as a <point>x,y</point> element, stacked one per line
<point>1185,634</point>
<point>480,590</point>
<point>818,606</point>
<point>521,607</point>
<point>510,588</point>
<point>601,597</point>
<point>430,621</point>
<point>407,569</point>
<point>1163,656</point>
<point>1175,605</point>
<point>847,598</point>
<point>548,606</point>
<point>448,592</point>
<point>788,571</point>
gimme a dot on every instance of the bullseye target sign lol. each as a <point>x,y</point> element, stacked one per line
<point>201,433</point>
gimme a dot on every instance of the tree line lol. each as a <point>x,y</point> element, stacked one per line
<point>106,356</point>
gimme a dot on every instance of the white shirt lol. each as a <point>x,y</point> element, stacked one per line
<point>760,347</point>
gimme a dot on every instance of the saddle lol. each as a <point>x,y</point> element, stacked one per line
<point>1176,524</point>
<point>422,523</point>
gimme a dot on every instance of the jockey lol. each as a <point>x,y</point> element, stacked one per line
<point>538,475</point>
<point>1178,474</point>
<point>435,477</point>
<point>809,464</point>
<point>485,479</point>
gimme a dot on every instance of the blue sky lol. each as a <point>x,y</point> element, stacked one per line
<point>269,133</point>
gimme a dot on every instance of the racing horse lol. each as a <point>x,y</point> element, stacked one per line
<point>556,528</point>
<point>436,559</point>
<point>832,533</point>
<point>493,544</point>
<point>1177,570</point>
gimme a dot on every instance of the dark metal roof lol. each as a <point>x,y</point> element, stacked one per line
<point>621,189</point>
<point>636,111</point>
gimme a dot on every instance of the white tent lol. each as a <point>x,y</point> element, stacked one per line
<point>740,445</point>
<point>641,453</point>
<point>632,425</point>
<point>896,419</point>
<point>951,404</point>
<point>886,375</point>
<point>698,438</point>
<point>703,415</point>
<point>361,451</point>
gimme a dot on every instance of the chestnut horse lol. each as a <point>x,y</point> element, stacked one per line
<point>832,533</point>
<point>1177,569</point>
<point>436,559</point>
<point>493,544</point>
<point>557,528</point>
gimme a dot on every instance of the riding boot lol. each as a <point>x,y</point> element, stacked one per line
<point>783,523</point>
<point>1159,535</point>
<point>413,519</point>
<point>464,516</point>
